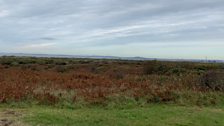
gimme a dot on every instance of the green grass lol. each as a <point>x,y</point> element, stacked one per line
<point>153,115</point>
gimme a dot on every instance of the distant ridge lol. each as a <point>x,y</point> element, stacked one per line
<point>107,57</point>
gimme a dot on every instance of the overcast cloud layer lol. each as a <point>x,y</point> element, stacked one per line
<point>148,28</point>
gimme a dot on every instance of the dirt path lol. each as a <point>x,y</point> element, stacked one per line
<point>10,117</point>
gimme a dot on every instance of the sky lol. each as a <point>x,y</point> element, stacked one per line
<point>180,29</point>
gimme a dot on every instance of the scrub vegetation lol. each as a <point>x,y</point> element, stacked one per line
<point>117,88</point>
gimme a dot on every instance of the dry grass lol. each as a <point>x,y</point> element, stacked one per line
<point>49,81</point>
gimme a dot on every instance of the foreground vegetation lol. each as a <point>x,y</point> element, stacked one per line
<point>152,115</point>
<point>112,92</point>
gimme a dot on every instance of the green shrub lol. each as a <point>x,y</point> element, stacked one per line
<point>61,63</point>
<point>5,61</point>
<point>177,71</point>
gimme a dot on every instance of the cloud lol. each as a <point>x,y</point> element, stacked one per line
<point>86,24</point>
<point>37,46</point>
<point>4,13</point>
<point>167,26</point>
<point>48,38</point>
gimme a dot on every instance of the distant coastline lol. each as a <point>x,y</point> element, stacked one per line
<point>107,57</point>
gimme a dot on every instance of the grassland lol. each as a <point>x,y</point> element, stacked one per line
<point>60,91</point>
<point>152,115</point>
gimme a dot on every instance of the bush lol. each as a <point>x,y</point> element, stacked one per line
<point>213,80</point>
<point>61,63</point>
<point>176,71</point>
<point>116,74</point>
<point>5,61</point>
<point>221,66</point>
<point>156,67</point>
<point>61,69</point>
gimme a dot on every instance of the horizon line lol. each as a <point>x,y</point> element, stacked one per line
<point>105,56</point>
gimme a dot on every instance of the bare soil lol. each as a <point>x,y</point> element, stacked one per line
<point>11,118</point>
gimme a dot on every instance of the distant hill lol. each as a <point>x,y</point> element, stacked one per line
<point>106,57</point>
